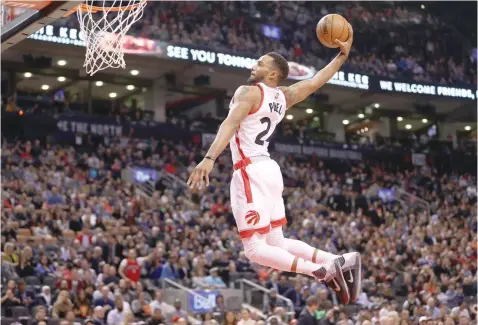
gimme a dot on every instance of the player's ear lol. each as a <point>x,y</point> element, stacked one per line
<point>273,74</point>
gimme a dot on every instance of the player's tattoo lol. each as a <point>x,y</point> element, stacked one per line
<point>243,92</point>
<point>291,95</point>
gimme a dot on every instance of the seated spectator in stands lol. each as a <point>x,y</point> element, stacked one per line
<point>62,305</point>
<point>40,316</point>
<point>70,318</point>
<point>156,318</point>
<point>105,300</point>
<point>85,237</point>
<point>117,315</point>
<point>294,294</point>
<point>111,278</point>
<point>184,269</point>
<point>45,267</point>
<point>141,307</point>
<point>271,301</point>
<point>230,318</point>
<point>8,301</point>
<point>178,312</point>
<point>199,278</point>
<point>213,280</point>
<point>45,298</point>
<point>25,268</point>
<point>325,302</point>
<point>243,264</point>
<point>307,315</point>
<point>220,307</point>
<point>158,302</point>
<point>169,270</point>
<point>9,254</point>
<point>98,317</point>
<point>130,267</point>
<point>27,297</point>
<point>246,318</point>
<point>82,304</point>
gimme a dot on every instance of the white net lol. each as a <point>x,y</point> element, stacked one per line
<point>104,27</point>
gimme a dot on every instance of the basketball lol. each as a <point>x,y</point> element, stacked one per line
<point>330,28</point>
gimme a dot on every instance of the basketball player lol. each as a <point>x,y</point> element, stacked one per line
<point>256,185</point>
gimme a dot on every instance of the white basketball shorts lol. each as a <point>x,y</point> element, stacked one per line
<point>256,197</point>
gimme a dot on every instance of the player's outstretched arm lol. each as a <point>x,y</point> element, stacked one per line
<point>303,89</point>
<point>245,99</point>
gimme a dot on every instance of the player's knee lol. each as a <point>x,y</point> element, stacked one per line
<point>252,246</point>
<point>276,238</point>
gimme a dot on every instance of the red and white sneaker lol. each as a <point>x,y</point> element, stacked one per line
<point>351,266</point>
<point>331,274</point>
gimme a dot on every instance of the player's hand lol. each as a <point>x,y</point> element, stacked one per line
<point>345,46</point>
<point>201,173</point>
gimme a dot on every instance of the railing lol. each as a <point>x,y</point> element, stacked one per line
<point>178,286</point>
<point>410,201</point>
<point>251,297</point>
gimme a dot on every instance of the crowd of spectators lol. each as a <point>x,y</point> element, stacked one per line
<point>391,40</point>
<point>82,246</point>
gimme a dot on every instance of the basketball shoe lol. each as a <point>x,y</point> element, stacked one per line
<point>331,274</point>
<point>351,266</point>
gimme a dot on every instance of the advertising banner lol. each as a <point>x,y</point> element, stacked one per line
<point>343,78</point>
<point>419,159</point>
<point>202,301</point>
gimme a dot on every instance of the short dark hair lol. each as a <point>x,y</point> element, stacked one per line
<point>281,64</point>
<point>312,301</point>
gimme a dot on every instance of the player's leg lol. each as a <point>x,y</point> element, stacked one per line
<point>350,263</point>
<point>252,205</point>
<point>258,251</point>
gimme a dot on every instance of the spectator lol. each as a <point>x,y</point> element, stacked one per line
<point>82,304</point>
<point>246,318</point>
<point>105,300</point>
<point>62,305</point>
<point>130,268</point>
<point>117,315</point>
<point>213,280</point>
<point>40,316</point>
<point>45,267</point>
<point>178,312</point>
<point>98,317</point>
<point>156,318</point>
<point>45,298</point>
<point>229,318</point>
<point>307,315</point>
<point>9,254</point>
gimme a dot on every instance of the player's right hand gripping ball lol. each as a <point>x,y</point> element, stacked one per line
<point>332,27</point>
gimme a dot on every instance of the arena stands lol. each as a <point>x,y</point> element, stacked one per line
<point>70,222</point>
<point>393,40</point>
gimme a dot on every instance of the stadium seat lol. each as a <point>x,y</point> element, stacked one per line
<point>20,311</point>
<point>49,281</point>
<point>7,321</point>
<point>24,232</point>
<point>69,234</point>
<point>32,281</point>
<point>53,321</point>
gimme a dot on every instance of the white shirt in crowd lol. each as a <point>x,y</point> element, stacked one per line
<point>116,317</point>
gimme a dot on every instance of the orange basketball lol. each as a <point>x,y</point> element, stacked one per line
<point>332,27</point>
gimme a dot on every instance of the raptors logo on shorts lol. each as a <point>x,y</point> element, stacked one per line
<point>252,217</point>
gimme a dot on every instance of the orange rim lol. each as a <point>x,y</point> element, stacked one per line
<point>94,9</point>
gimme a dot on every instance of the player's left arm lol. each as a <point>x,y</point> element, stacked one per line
<point>303,89</point>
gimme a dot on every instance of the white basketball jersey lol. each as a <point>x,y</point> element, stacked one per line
<point>253,135</point>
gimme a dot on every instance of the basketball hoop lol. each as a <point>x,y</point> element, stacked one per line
<point>104,28</point>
